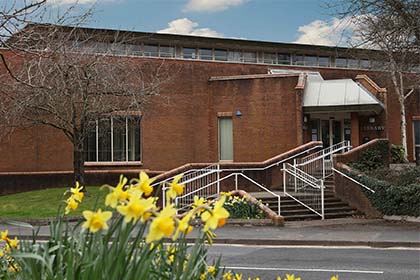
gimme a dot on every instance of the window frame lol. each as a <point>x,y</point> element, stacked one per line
<point>111,133</point>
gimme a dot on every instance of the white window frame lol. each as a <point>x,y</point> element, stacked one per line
<point>126,161</point>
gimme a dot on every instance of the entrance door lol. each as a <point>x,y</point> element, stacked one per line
<point>225,139</point>
<point>331,132</point>
<point>336,132</point>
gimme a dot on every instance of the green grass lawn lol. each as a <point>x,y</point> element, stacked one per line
<point>44,203</point>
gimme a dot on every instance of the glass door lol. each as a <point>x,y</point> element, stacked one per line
<point>336,133</point>
<point>325,133</point>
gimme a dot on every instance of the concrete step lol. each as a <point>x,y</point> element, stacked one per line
<point>314,216</point>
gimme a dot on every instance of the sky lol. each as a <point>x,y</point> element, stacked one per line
<point>298,21</point>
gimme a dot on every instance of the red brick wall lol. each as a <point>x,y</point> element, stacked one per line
<point>180,126</point>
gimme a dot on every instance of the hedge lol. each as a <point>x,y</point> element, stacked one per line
<point>390,199</point>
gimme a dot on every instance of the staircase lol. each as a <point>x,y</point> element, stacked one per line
<point>291,210</point>
<point>307,191</point>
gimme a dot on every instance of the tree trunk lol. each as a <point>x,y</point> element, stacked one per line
<point>78,159</point>
<point>399,89</point>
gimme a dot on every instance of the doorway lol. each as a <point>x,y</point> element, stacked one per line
<point>330,130</point>
<point>225,139</point>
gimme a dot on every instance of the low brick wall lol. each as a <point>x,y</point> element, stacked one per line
<point>352,193</point>
<point>15,182</point>
<point>28,181</point>
<point>355,154</point>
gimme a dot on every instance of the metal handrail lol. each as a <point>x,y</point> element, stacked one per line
<point>236,187</point>
<point>187,172</point>
<point>324,152</point>
<point>307,178</point>
<point>353,180</point>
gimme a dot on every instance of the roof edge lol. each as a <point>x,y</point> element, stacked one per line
<point>250,77</point>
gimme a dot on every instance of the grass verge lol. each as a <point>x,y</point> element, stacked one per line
<point>44,203</point>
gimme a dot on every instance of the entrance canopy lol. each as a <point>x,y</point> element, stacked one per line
<point>343,95</point>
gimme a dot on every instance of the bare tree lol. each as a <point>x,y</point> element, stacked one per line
<point>75,77</point>
<point>15,14</point>
<point>393,27</point>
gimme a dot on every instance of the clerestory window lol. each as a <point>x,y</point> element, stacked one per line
<point>113,139</point>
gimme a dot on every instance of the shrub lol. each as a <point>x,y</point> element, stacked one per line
<point>397,154</point>
<point>242,208</point>
<point>373,158</point>
<point>392,199</point>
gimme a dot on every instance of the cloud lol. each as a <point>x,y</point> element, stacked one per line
<point>185,26</point>
<point>211,5</point>
<point>336,32</point>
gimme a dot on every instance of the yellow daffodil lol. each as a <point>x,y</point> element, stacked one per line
<point>292,277</point>
<point>96,220</point>
<point>117,194</point>
<point>14,243</point>
<point>175,188</point>
<point>184,225</point>
<point>1,253</point>
<point>13,268</point>
<point>4,235</point>
<point>198,202</point>
<point>144,183</point>
<point>227,276</point>
<point>212,270</point>
<point>77,193</point>
<point>136,208</point>
<point>238,276</point>
<point>72,204</point>
<point>162,225</point>
<point>278,278</point>
<point>334,277</point>
<point>217,217</point>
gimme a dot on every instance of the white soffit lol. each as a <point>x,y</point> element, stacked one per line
<point>344,92</point>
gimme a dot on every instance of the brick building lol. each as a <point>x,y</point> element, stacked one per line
<point>231,100</point>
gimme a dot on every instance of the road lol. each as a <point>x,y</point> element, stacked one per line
<point>318,263</point>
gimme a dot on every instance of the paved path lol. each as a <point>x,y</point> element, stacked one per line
<point>337,232</point>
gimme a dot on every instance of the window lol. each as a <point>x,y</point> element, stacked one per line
<point>235,56</point>
<point>298,59</point>
<point>189,53</point>
<point>416,125</point>
<point>205,54</point>
<point>365,64</point>
<point>284,58</point>
<point>352,63</point>
<point>250,57</point>
<point>132,49</point>
<point>324,61</point>
<point>270,58</point>
<point>341,62</point>
<point>165,51</point>
<point>151,50</point>
<point>220,55</point>
<point>310,60</point>
<point>113,139</point>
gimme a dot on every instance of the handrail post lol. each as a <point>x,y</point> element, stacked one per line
<point>218,179</point>
<point>278,206</point>
<point>284,177</point>
<point>236,181</point>
<point>322,200</point>
<point>294,170</point>
<point>163,195</point>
